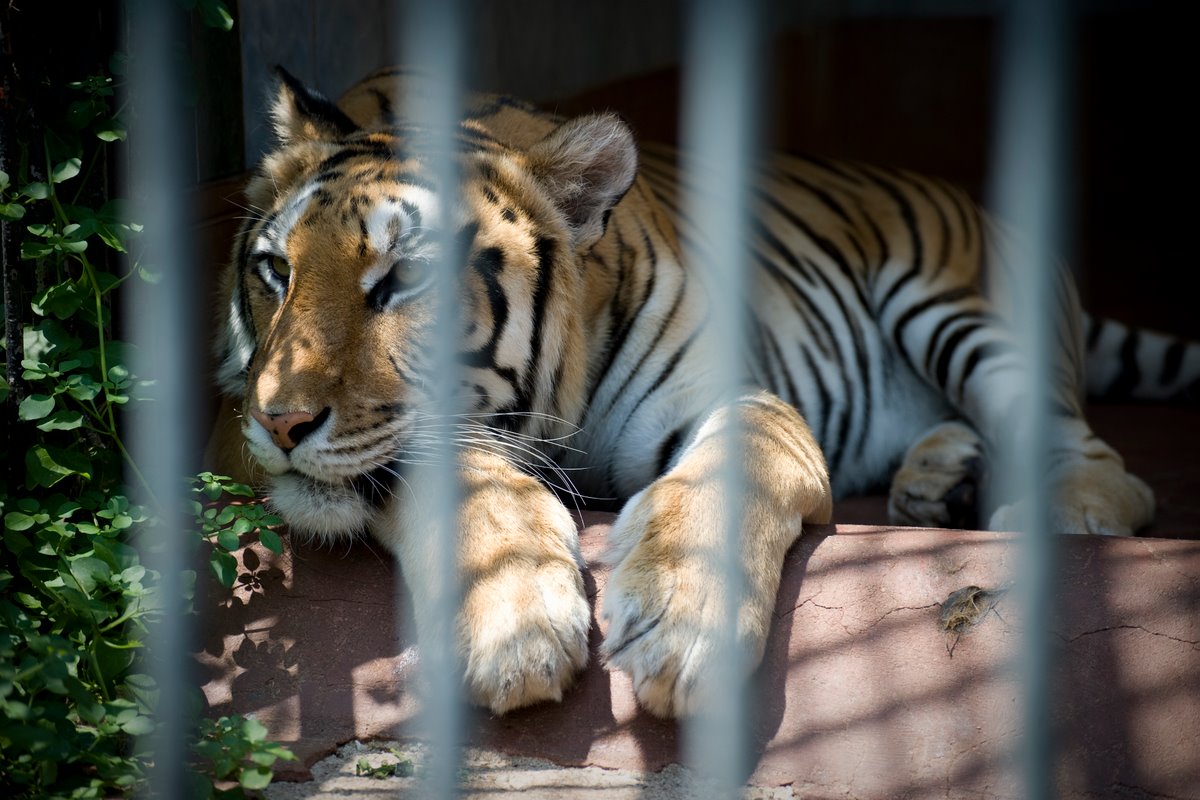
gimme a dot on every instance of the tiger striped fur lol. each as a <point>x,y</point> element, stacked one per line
<point>878,351</point>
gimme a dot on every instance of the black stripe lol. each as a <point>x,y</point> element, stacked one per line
<point>884,250</point>
<point>662,330</point>
<point>545,248</point>
<point>840,170</point>
<point>331,163</point>
<point>943,223</point>
<point>488,264</point>
<point>823,244</point>
<point>1172,362</point>
<point>811,311</point>
<point>385,105</point>
<point>952,343</point>
<point>910,222</point>
<point>966,216</point>
<point>1131,374</point>
<point>982,351</point>
<point>617,343</point>
<point>827,199</point>
<point>668,370</point>
<point>931,344</point>
<point>788,390</point>
<point>824,401</point>
<point>914,311</point>
<point>783,251</point>
<point>669,449</point>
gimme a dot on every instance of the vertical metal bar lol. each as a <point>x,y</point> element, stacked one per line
<point>1027,169</point>
<point>431,39</point>
<point>159,320</point>
<point>717,132</point>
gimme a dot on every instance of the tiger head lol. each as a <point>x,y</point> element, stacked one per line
<point>330,297</point>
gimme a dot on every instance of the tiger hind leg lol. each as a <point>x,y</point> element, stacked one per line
<point>1090,490</point>
<point>941,479</point>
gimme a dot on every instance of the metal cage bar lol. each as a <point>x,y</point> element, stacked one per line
<point>163,332</point>
<point>718,129</point>
<point>1027,176</point>
<point>431,39</point>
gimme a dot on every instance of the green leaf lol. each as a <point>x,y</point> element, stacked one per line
<point>65,170</point>
<point>34,250</point>
<point>216,15</point>
<point>224,566</point>
<point>271,541</point>
<point>36,191</point>
<point>254,730</point>
<point>62,421</point>
<point>35,406</point>
<point>228,539</point>
<point>46,466</point>
<point>138,726</point>
<point>83,388</point>
<point>110,130</point>
<point>132,575</point>
<point>61,299</point>
<point>18,521</point>
<point>11,210</point>
<point>90,712</point>
<point>90,572</point>
<point>255,778</point>
<point>3,180</point>
<point>242,526</point>
<point>80,113</point>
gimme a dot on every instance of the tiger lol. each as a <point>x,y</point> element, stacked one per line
<point>880,352</point>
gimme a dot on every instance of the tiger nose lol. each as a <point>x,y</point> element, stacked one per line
<point>289,428</point>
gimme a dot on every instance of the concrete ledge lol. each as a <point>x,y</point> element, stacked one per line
<point>863,691</point>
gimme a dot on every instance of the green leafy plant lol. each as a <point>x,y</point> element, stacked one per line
<point>238,757</point>
<point>402,767</point>
<point>223,522</point>
<point>76,602</point>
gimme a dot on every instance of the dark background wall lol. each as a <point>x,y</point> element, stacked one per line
<point>900,83</point>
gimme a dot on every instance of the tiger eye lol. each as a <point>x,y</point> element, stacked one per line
<point>281,268</point>
<point>410,274</point>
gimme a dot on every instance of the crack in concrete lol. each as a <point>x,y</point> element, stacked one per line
<point>1141,790</point>
<point>1076,637</point>
<point>808,601</point>
<point>925,607</point>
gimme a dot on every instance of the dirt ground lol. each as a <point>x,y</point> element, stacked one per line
<point>359,770</point>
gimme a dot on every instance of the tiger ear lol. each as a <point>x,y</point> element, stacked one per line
<point>586,165</point>
<point>304,114</point>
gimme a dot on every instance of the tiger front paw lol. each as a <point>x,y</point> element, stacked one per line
<point>662,630</point>
<point>523,634</point>
<point>665,608</point>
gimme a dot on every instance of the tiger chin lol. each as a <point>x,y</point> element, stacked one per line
<point>882,354</point>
